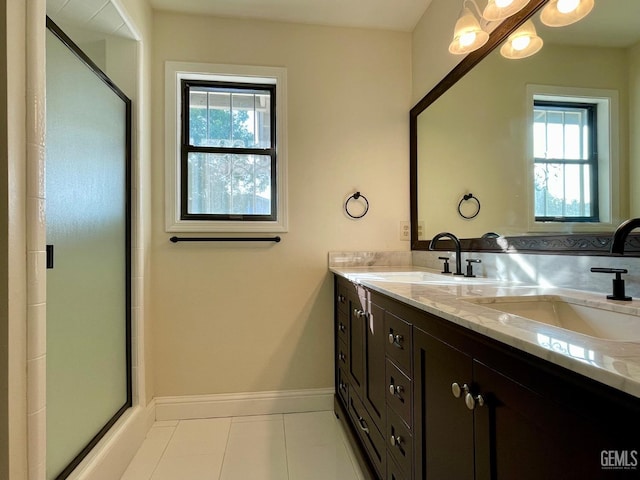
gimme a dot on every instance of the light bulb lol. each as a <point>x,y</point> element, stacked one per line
<point>520,43</point>
<point>501,9</point>
<point>467,39</point>
<point>567,6</point>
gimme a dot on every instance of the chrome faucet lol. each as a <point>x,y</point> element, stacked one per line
<point>621,234</point>
<point>432,246</point>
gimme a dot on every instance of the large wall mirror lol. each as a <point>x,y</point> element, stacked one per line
<point>474,134</point>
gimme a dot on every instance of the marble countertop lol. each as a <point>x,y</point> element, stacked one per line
<point>612,362</point>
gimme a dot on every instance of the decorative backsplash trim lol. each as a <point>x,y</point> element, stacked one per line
<point>586,244</point>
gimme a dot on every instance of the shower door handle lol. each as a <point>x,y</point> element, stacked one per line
<point>49,256</point>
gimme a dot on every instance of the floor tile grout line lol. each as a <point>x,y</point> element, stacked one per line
<point>286,449</point>
<point>164,450</point>
<point>226,448</point>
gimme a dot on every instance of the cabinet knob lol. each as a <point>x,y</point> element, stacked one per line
<point>472,401</point>
<point>341,327</point>
<point>341,299</point>
<point>395,440</point>
<point>395,389</point>
<point>457,390</point>
<point>396,340</point>
<point>341,357</point>
<point>343,386</point>
<point>359,313</point>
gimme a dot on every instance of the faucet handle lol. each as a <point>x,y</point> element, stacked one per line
<point>618,282</point>
<point>445,266</point>
<point>471,261</point>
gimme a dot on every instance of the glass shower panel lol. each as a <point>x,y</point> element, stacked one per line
<point>88,357</point>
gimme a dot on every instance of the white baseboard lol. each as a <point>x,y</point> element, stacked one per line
<point>239,404</point>
<point>110,458</point>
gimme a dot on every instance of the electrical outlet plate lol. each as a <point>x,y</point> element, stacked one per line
<point>405,231</point>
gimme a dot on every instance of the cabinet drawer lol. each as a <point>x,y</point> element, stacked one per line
<point>343,386</point>
<point>399,393</point>
<point>342,325</point>
<point>372,439</point>
<point>394,472</point>
<point>399,342</point>
<point>400,441</point>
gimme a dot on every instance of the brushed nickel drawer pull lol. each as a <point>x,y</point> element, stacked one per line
<point>363,425</point>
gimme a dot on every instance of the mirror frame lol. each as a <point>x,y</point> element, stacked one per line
<point>568,244</point>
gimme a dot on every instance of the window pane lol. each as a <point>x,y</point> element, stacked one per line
<point>562,190</point>
<point>539,137</point>
<point>225,117</point>
<point>555,135</point>
<point>572,142</point>
<point>228,184</point>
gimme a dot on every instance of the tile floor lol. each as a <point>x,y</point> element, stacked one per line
<point>296,446</point>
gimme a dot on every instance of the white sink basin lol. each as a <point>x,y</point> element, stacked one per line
<point>569,314</point>
<point>423,278</point>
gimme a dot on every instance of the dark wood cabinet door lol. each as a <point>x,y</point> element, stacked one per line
<point>356,347</point>
<point>375,378</point>
<point>443,424</point>
<point>522,434</point>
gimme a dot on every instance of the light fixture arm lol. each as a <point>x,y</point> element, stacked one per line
<point>483,22</point>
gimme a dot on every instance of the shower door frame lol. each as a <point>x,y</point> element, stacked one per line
<point>73,47</point>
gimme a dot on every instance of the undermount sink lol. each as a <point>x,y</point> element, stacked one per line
<point>622,324</point>
<point>423,278</point>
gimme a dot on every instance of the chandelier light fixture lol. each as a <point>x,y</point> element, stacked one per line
<point>473,26</point>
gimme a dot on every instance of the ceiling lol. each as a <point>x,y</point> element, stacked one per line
<point>400,15</point>
<point>613,22</point>
<point>97,16</point>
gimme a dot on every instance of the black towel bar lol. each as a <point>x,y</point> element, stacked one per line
<point>225,239</point>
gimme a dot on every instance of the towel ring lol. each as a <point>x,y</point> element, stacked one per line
<point>469,196</point>
<point>356,196</point>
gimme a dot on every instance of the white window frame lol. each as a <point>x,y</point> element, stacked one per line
<point>175,72</point>
<point>606,102</point>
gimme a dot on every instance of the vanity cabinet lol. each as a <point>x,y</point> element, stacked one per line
<point>485,411</point>
<point>453,404</point>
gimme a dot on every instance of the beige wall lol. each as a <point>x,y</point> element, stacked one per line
<point>634,130</point>
<point>4,252</point>
<point>475,136</point>
<point>430,57</point>
<point>243,318</point>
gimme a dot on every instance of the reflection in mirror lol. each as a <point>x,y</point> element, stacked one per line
<point>479,135</point>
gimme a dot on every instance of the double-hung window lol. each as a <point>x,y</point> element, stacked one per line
<point>565,162</point>
<point>228,151</point>
<point>226,148</point>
